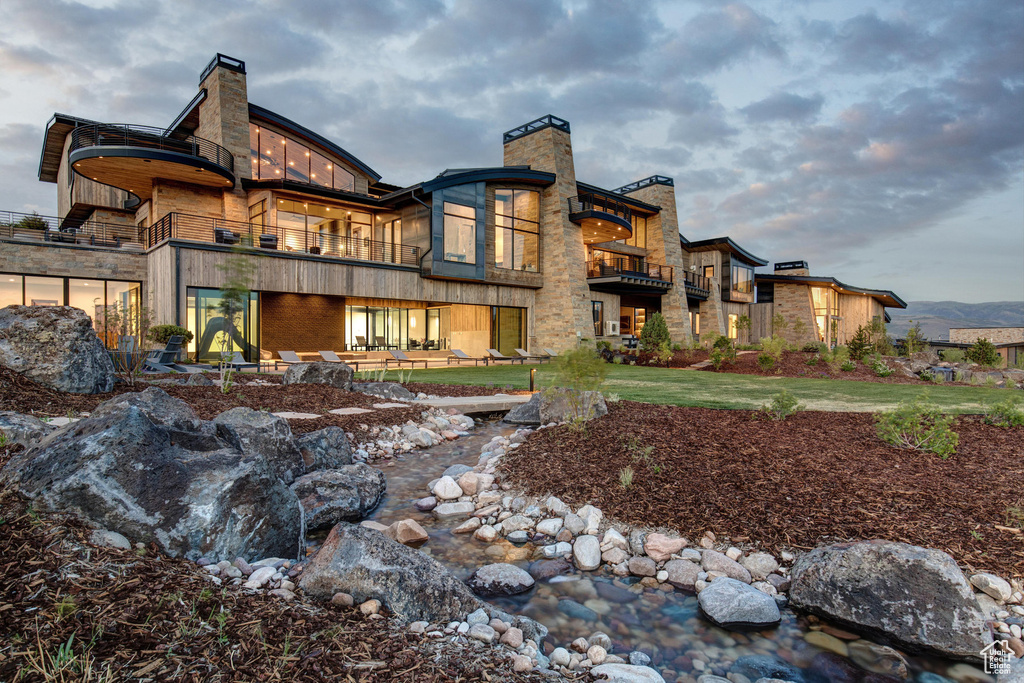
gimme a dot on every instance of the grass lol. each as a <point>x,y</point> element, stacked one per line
<point>725,390</point>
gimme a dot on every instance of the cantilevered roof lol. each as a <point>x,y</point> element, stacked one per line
<point>462,176</point>
<point>723,244</point>
<point>623,198</point>
<point>885,296</point>
<point>310,137</point>
<point>53,144</point>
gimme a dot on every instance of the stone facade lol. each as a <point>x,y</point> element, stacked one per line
<point>224,119</point>
<point>996,335</point>
<point>793,303</point>
<point>72,260</point>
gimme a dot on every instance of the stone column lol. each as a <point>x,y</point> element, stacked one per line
<point>224,119</point>
<point>562,311</point>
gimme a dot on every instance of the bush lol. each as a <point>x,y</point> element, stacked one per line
<point>783,404</point>
<point>161,334</point>
<point>814,347</point>
<point>880,341</point>
<point>933,377</point>
<point>765,361</point>
<point>914,340</point>
<point>723,343</point>
<point>983,352</point>
<point>837,358</point>
<point>952,355</point>
<point>860,344</point>
<point>655,333</point>
<point>774,346</point>
<point>1006,413</point>
<point>664,354</point>
<point>814,360</point>
<point>919,426</point>
<point>848,366</point>
<point>581,369</point>
<point>880,367</point>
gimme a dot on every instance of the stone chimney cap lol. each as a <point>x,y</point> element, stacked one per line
<point>221,60</point>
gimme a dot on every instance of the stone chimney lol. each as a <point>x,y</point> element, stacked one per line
<point>792,268</point>
<point>224,119</point>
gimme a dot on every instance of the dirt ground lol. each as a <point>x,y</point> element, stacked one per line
<point>815,478</point>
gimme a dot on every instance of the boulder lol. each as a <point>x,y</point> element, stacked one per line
<point>993,586</point>
<point>500,579</point>
<point>388,390</point>
<point>913,597</point>
<point>23,429</point>
<point>57,347</point>
<point>144,466</point>
<point>325,449</point>
<point>733,604</point>
<point>525,413</point>
<point>563,405</point>
<point>626,673</point>
<point>346,494</point>
<point>337,375</point>
<point>586,552</point>
<point>367,564</point>
<point>256,431</point>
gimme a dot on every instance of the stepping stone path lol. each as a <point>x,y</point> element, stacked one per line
<point>382,406</point>
<point>349,411</point>
<point>297,416</point>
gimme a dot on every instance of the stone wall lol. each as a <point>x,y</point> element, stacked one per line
<point>793,303</point>
<point>72,260</point>
<point>173,197</point>
<point>224,119</point>
<point>996,335</point>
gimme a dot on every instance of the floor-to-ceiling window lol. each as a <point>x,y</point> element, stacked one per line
<point>516,230</point>
<point>214,332</point>
<point>508,328</point>
<point>378,328</point>
<point>276,157</point>
<point>459,233</point>
<point>597,309</point>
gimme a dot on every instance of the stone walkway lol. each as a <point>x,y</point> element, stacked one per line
<point>462,404</point>
<point>704,363</point>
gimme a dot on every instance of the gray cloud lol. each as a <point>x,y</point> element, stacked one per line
<point>868,43</point>
<point>717,38</point>
<point>783,106</point>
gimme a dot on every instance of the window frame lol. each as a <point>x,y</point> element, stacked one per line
<point>341,178</point>
<point>597,311</point>
<point>518,227</point>
<point>734,283</point>
<point>446,214</point>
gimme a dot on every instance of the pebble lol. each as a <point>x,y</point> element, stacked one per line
<point>600,638</point>
<point>477,617</point>
<point>637,658</point>
<point>992,585</point>
<point>734,554</point>
<point>260,577</point>
<point>587,553</point>
<point>419,626</point>
<point>342,600</point>
<point>580,645</point>
<point>481,632</point>
<point>560,656</point>
<point>513,637</point>
<point>521,663</point>
<point>498,625</point>
<point>369,607</point>
<point>596,654</point>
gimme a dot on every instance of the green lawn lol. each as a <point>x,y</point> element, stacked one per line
<point>724,390</point>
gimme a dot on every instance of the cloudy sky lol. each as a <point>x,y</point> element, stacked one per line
<point>883,142</point>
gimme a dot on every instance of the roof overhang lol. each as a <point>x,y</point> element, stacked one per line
<point>633,204</point>
<point>886,297</point>
<point>187,121</point>
<point>309,136</point>
<point>53,144</point>
<point>723,244</point>
<point>306,189</point>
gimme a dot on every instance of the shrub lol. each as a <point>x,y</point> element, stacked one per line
<point>860,344</point>
<point>161,334</point>
<point>933,377</point>
<point>983,352</point>
<point>722,342</point>
<point>1006,413</point>
<point>677,347</point>
<point>779,324</point>
<point>848,366</point>
<point>952,355</point>
<point>919,426</point>
<point>655,333</point>
<point>880,341</point>
<point>765,361</point>
<point>603,345</point>
<point>837,358</point>
<point>717,358</point>
<point>664,354</point>
<point>880,367</point>
<point>914,341</point>
<point>626,477</point>
<point>774,346</point>
<point>814,347</point>
<point>783,404</point>
<point>578,371</point>
<point>814,360</point>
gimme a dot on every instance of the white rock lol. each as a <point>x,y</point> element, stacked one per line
<point>574,524</point>
<point>560,657</point>
<point>591,517</point>
<point>627,673</point>
<point>482,632</point>
<point>556,506</point>
<point>760,565</point>
<point>485,533</point>
<point>260,577</point>
<point>467,527</point>
<point>993,586</point>
<point>734,553</point>
<point>586,552</point>
<point>446,489</point>
<point>453,510</point>
<point>549,527</point>
<point>516,523</point>
<point>662,576</point>
<point>614,539</point>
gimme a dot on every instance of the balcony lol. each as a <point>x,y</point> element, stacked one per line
<point>275,238</point>
<point>47,230</point>
<point>131,157</point>
<point>601,218</point>
<point>697,286</point>
<point>628,275</point>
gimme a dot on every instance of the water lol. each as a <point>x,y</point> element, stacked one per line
<point>665,625</point>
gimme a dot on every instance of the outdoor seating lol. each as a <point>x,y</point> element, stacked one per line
<point>532,356</point>
<point>330,356</point>
<point>400,357</point>
<point>237,362</point>
<point>459,355</point>
<point>162,360</point>
<point>268,241</point>
<point>382,343</point>
<point>551,354</point>
<point>497,356</point>
<point>225,236</point>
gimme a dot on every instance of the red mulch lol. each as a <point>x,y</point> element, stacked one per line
<point>460,390</point>
<point>815,478</point>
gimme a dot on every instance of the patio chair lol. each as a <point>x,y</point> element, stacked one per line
<point>330,356</point>
<point>382,343</point>
<point>400,357</point>
<point>497,356</point>
<point>459,355</point>
<point>551,354</point>
<point>164,360</point>
<point>532,356</point>
<point>236,362</point>
<point>361,341</point>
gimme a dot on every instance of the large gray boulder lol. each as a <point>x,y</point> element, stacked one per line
<point>144,466</point>
<point>338,375</point>
<point>367,564</point>
<point>23,429</point>
<point>525,413</point>
<point>256,431</point>
<point>558,405</point>
<point>389,390</point>
<point>500,579</point>
<point>346,494</point>
<point>913,597</point>
<point>325,449</point>
<point>55,346</point>
<point>733,604</point>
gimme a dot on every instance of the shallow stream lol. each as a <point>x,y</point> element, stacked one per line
<point>664,625</point>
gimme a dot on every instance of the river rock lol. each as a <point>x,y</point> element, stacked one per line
<point>591,517</point>
<point>446,489</point>
<point>614,556</point>
<point>337,375</point>
<point>760,565</point>
<point>912,596</point>
<point>516,523</point>
<point>586,553</point>
<point>714,561</point>
<point>500,579</point>
<point>993,586</point>
<point>426,504</point>
<point>25,430</point>
<point>261,432</point>
<point>389,390</point>
<point>549,527</point>
<point>627,673</point>
<point>346,494</point>
<point>733,604</point>
<point>642,566</point>
<point>660,547</point>
<point>457,470</point>
<point>469,526</point>
<point>766,666</point>
<point>878,659</point>
<point>682,573</point>
<point>834,668</point>
<point>446,510</point>
<point>824,641</point>
<point>573,524</point>
<point>368,565</point>
<point>486,533</point>
<point>57,347</point>
<point>543,570</point>
<point>407,532</point>
<point>325,449</point>
<point>144,466</point>
<point>613,539</point>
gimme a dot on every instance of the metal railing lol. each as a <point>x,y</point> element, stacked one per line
<point>596,202</point>
<point>35,228</point>
<point>628,267</point>
<point>650,180</point>
<point>549,121</point>
<point>698,282</point>
<point>126,135</point>
<point>277,238</point>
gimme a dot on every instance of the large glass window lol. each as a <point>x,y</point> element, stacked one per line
<point>275,157</point>
<point>826,303</point>
<point>516,230</point>
<point>639,237</point>
<point>258,214</point>
<point>377,328</point>
<point>459,233</point>
<point>507,329</point>
<point>11,293</point>
<point>597,307</point>
<point>734,330</point>
<point>44,291</point>
<point>329,230</point>
<point>89,296</point>
<point>213,332</point>
<point>742,279</point>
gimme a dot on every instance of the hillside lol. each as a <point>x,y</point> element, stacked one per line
<point>936,317</point>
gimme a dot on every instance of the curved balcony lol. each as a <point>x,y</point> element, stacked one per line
<point>131,157</point>
<point>602,219</point>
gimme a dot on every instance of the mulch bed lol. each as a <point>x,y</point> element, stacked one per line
<point>140,615</point>
<point>815,478</point>
<point>792,364</point>
<point>460,390</point>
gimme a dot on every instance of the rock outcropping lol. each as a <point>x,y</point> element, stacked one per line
<point>55,346</point>
<point>346,494</point>
<point>338,375</point>
<point>558,405</point>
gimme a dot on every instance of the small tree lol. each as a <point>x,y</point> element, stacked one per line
<point>779,324</point>
<point>743,325</point>
<point>127,325</point>
<point>239,270</point>
<point>914,340</point>
<point>33,222</point>
<point>860,344</point>
<point>655,333</point>
<point>983,352</point>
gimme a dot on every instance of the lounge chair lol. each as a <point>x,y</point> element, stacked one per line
<point>460,356</point>
<point>332,357</point>
<point>382,343</point>
<point>361,342</point>
<point>400,357</point>
<point>165,360</point>
<point>497,356</point>
<point>532,356</point>
<point>289,357</point>
<point>551,354</point>
<point>236,362</point>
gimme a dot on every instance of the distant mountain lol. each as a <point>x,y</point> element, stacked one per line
<point>936,317</point>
